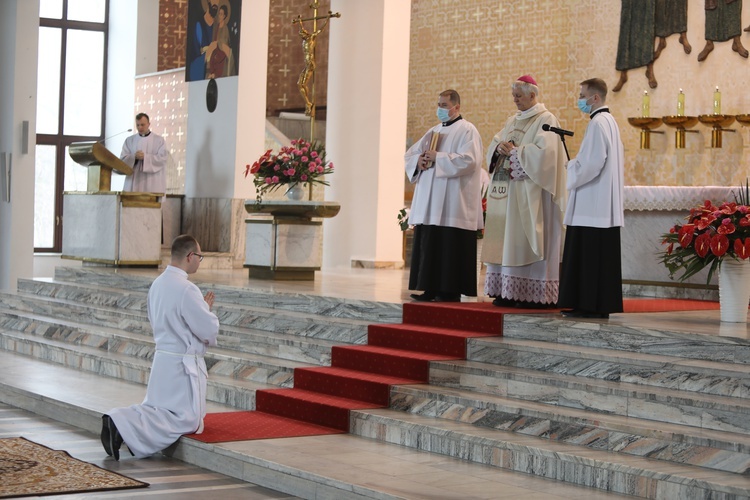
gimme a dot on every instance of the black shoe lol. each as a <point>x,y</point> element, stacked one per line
<point>113,440</point>
<point>503,302</point>
<point>448,297</point>
<point>105,435</point>
<point>577,313</point>
<point>423,297</point>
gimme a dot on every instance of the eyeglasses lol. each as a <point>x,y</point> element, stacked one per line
<point>200,257</point>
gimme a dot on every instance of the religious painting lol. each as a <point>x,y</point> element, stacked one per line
<point>213,39</point>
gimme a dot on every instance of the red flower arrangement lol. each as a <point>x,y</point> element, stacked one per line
<point>710,235</point>
<point>301,163</point>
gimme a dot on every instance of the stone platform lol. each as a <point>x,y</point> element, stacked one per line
<point>650,405</point>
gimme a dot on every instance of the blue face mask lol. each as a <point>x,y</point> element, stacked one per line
<point>583,106</point>
<point>443,115</point>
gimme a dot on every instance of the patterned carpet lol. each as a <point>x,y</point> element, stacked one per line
<point>30,469</point>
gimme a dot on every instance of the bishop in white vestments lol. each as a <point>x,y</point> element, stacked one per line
<point>525,204</point>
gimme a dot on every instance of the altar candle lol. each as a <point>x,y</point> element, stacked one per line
<point>646,104</point>
<point>681,104</point>
<point>717,101</point>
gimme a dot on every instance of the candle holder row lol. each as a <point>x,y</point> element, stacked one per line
<point>681,124</point>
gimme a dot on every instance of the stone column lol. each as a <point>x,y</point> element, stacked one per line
<point>19,35</point>
<point>368,73</point>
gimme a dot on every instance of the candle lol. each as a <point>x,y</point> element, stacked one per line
<point>717,101</point>
<point>681,104</point>
<point>646,104</point>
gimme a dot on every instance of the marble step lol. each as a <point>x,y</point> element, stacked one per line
<point>309,341</point>
<point>339,467</point>
<point>364,310</point>
<point>602,396</point>
<point>613,472</point>
<point>127,356</point>
<point>706,377</point>
<point>725,451</point>
<point>228,384</point>
<point>608,335</point>
<point>58,298</point>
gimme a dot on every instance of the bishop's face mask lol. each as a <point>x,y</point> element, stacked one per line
<point>443,114</point>
<point>584,106</point>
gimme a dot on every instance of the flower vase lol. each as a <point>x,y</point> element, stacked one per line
<point>734,290</point>
<point>295,192</point>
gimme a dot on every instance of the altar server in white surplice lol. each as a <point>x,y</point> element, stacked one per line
<point>446,209</point>
<point>147,153</point>
<point>183,326</point>
<point>591,280</point>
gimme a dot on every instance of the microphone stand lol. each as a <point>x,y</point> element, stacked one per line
<point>562,138</point>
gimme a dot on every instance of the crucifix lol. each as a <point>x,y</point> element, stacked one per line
<point>306,81</point>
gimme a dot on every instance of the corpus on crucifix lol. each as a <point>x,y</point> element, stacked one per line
<point>306,81</point>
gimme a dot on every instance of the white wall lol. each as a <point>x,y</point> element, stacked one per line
<point>147,38</point>
<point>211,137</point>
<point>131,52</point>
<point>368,74</point>
<point>19,38</point>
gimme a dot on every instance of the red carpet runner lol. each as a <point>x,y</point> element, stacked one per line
<point>361,376</point>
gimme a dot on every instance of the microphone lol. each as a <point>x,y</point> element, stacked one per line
<point>556,130</point>
<point>114,135</point>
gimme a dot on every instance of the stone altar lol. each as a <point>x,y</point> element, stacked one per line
<point>650,211</point>
<point>283,242</point>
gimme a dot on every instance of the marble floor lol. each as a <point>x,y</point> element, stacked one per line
<point>388,285</point>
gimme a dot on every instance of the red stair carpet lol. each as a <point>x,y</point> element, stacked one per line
<point>361,376</point>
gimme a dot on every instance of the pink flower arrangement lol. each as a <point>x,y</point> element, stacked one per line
<point>300,163</point>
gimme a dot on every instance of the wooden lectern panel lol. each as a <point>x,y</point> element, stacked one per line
<point>100,161</point>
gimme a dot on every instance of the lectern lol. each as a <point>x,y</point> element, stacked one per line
<point>106,227</point>
<point>100,161</point>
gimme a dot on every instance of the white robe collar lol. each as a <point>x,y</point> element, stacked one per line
<point>532,111</point>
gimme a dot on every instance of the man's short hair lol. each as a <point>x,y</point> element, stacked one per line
<point>142,115</point>
<point>597,86</point>
<point>452,96</point>
<point>183,245</point>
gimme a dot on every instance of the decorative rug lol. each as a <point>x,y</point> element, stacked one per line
<point>30,469</point>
